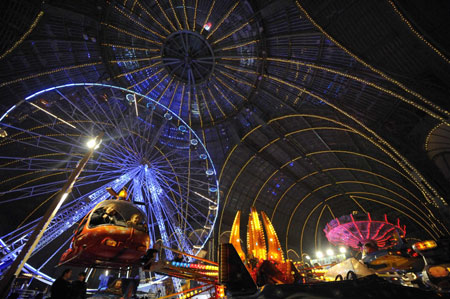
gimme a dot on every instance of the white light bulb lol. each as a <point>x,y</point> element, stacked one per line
<point>90,143</point>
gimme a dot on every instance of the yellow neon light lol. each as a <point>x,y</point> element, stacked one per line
<point>274,246</point>
<point>235,236</point>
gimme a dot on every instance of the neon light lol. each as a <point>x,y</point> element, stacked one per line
<point>341,233</point>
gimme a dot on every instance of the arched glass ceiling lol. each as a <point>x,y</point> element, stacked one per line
<point>305,169</point>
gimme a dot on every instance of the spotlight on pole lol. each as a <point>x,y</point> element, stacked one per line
<point>319,254</point>
<point>342,250</point>
<point>330,252</point>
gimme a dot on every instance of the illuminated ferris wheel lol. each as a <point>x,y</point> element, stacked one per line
<point>146,148</point>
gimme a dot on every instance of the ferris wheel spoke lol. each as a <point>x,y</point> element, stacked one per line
<point>183,177</point>
<point>109,156</point>
<point>71,119</point>
<point>51,126</point>
<point>174,156</point>
<point>185,201</point>
<point>47,188</point>
<point>72,105</point>
<point>176,211</point>
<point>109,120</point>
<point>180,172</point>
<point>176,160</point>
<point>54,182</point>
<point>157,136</point>
<point>190,180</point>
<point>114,152</point>
<point>31,164</point>
<point>98,122</point>
<point>123,119</point>
<point>180,240</point>
<point>41,142</point>
<point>115,155</point>
<point>148,129</point>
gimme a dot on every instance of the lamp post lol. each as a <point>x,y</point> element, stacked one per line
<point>17,265</point>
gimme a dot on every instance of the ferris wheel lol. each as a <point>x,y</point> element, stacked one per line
<point>147,149</point>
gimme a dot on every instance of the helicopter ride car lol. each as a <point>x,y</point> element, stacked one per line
<point>112,235</point>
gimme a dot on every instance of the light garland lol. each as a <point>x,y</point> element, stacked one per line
<point>403,162</point>
<point>195,15</point>
<point>427,139</point>
<point>215,102</point>
<point>207,108</point>
<point>369,66</point>
<point>225,97</point>
<point>138,70</point>
<point>49,73</point>
<point>175,14</point>
<point>417,184</point>
<point>231,33</point>
<point>231,89</point>
<point>387,91</point>
<point>131,34</point>
<point>222,20</point>
<point>185,15</point>
<point>129,48</point>
<point>152,18</point>
<point>239,46</point>
<point>207,16</point>
<point>139,23</point>
<point>238,80</point>
<point>24,36</point>
<point>165,15</point>
<point>416,33</point>
<point>146,78</point>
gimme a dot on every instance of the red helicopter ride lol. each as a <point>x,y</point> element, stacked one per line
<point>112,235</point>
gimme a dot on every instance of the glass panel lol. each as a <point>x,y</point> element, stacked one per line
<point>120,213</point>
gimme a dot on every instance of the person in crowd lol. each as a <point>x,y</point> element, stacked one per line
<point>78,289</point>
<point>61,287</point>
<point>104,215</point>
